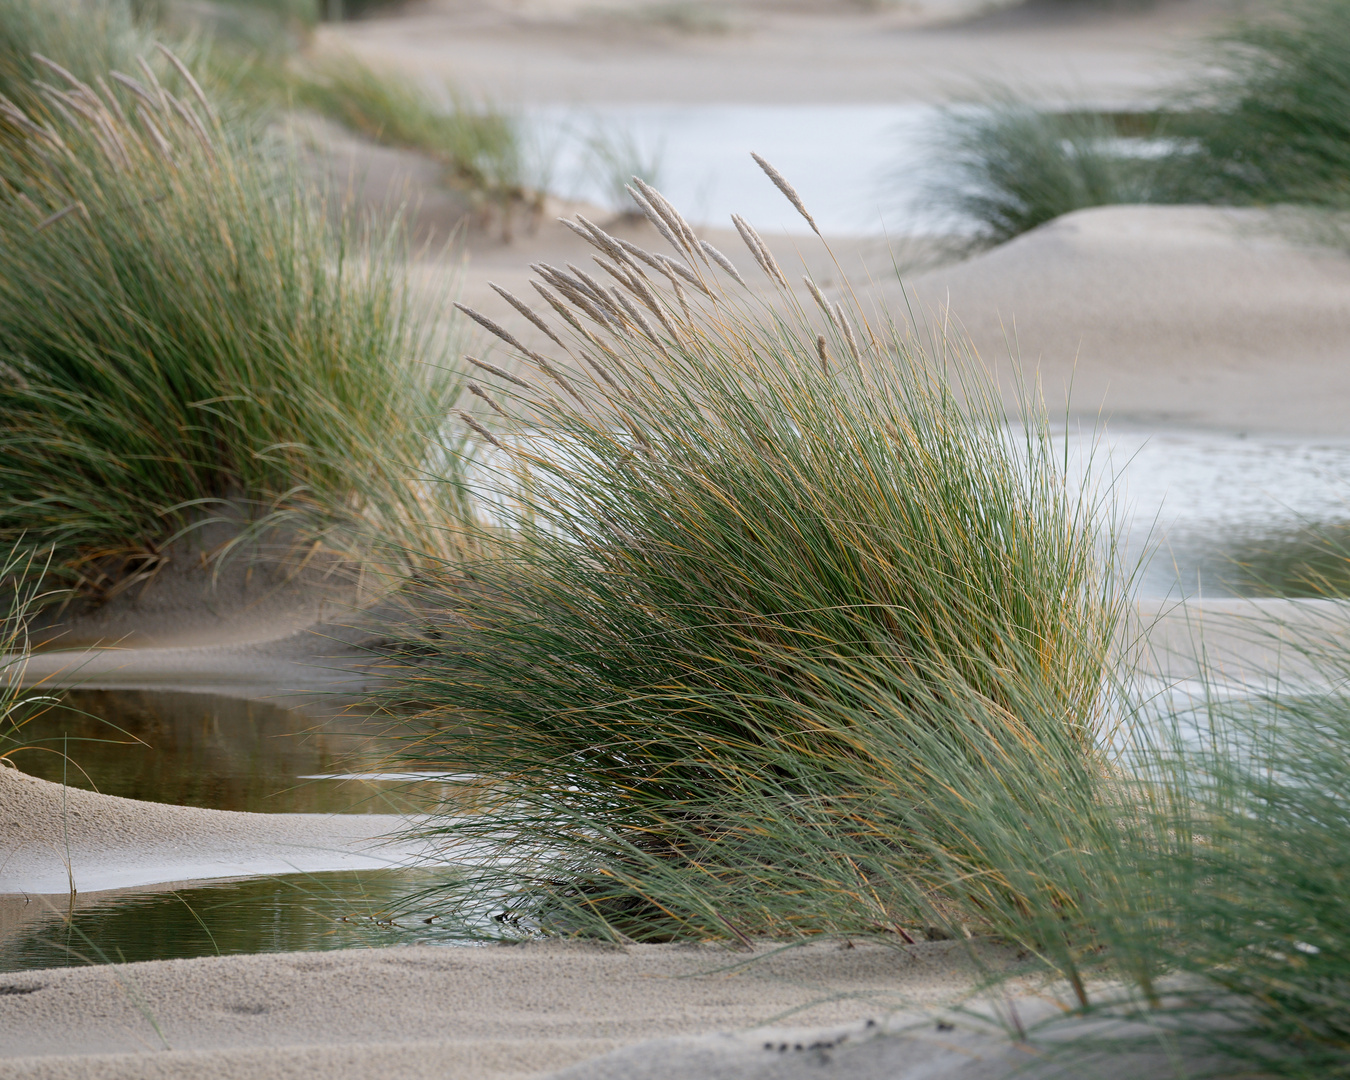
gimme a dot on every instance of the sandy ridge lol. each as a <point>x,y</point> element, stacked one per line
<point>51,837</point>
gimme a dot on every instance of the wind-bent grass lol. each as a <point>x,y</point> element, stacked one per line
<point>181,330</point>
<point>20,579</point>
<point>87,38</point>
<point>779,587</point>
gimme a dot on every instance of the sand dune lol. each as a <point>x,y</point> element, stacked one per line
<point>55,838</point>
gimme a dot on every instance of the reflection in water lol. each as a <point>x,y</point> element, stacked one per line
<point>312,912</point>
<point>210,751</point>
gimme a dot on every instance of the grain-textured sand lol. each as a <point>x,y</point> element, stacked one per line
<point>515,1011</point>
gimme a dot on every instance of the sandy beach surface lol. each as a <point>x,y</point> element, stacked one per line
<point>566,1009</point>
<point>1161,318</point>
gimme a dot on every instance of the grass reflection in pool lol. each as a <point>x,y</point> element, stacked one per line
<point>311,912</point>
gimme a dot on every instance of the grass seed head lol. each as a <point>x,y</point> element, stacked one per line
<point>788,190</point>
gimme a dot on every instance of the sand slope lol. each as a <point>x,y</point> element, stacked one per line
<point>51,837</point>
<point>1172,316</point>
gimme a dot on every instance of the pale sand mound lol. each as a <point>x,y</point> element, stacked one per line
<point>1179,316</point>
<point>50,835</point>
<point>450,1012</point>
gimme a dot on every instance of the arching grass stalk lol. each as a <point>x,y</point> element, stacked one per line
<point>780,589</point>
<point>182,329</point>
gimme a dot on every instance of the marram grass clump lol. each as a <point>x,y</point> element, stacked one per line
<point>182,331</point>
<point>777,590</point>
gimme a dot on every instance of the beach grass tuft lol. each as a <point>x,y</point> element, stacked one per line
<point>755,627</point>
<point>184,333</point>
<point>1263,124</point>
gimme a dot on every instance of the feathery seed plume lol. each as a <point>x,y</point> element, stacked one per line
<point>52,219</point>
<point>137,88</point>
<point>190,118</point>
<point>501,373</point>
<point>722,261</point>
<point>110,100</point>
<point>561,308</point>
<point>16,116</point>
<point>759,250</point>
<point>824,356</point>
<point>153,80</point>
<point>843,322</point>
<point>649,212</point>
<point>557,376</point>
<point>528,312</point>
<point>491,327</point>
<point>187,78</point>
<point>605,375</point>
<point>52,65</point>
<point>618,273</point>
<point>819,297</point>
<point>644,292</point>
<point>638,253</point>
<point>601,239</point>
<point>679,295</point>
<point>594,287</point>
<point>479,428</point>
<point>156,136</point>
<point>581,299</point>
<point>673,217</point>
<point>684,272</point>
<point>787,189</point>
<point>478,391</point>
<point>633,313</point>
